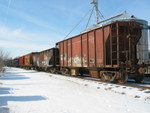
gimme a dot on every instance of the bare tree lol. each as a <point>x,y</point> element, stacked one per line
<point>3,57</point>
<point>149,54</point>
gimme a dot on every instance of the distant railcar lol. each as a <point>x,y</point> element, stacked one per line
<point>28,60</point>
<point>47,59</point>
<point>108,52</point>
<point>21,61</point>
<point>8,62</point>
<point>15,62</point>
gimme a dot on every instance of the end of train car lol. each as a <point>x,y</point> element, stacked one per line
<point>46,60</point>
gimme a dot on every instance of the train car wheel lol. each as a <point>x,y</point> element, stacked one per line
<point>103,76</point>
<point>53,70</point>
<point>123,77</point>
<point>139,78</point>
<point>65,71</point>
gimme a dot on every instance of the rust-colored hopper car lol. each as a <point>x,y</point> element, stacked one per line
<point>108,52</point>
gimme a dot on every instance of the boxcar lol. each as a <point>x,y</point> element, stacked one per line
<point>108,52</point>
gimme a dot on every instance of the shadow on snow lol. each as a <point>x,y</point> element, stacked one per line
<point>13,76</point>
<point>4,91</point>
<point>5,99</point>
<point>19,77</point>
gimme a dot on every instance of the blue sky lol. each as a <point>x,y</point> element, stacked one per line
<point>34,25</point>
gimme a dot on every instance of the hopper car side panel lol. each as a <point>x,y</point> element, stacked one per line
<point>99,47</point>
<point>36,59</point>
<point>91,49</point>
<point>46,59</point>
<point>85,58</point>
<point>85,62</point>
<point>61,53</point>
<point>28,60</point>
<point>76,52</point>
<point>65,53</point>
<point>110,49</point>
<point>69,48</point>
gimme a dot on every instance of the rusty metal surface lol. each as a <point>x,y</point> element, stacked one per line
<point>36,59</point>
<point>99,48</point>
<point>94,74</point>
<point>28,60</point>
<point>105,47</point>
<point>65,53</point>
<point>91,50</point>
<point>21,61</point>
<point>46,58</point>
<point>76,52</point>
<point>61,53</point>
<point>85,61</point>
<point>69,53</point>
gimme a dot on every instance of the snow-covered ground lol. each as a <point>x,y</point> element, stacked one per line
<point>26,91</point>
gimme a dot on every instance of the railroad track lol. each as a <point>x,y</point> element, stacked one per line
<point>129,83</point>
<point>143,86</point>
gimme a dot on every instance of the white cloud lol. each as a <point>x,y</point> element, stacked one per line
<point>10,33</point>
<point>21,34</point>
<point>18,38</point>
<point>17,32</point>
<point>24,16</point>
<point>30,19</point>
<point>28,46</point>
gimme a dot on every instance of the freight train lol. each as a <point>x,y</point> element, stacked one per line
<point>111,51</point>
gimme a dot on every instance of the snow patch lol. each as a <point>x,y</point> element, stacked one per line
<point>125,90</point>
